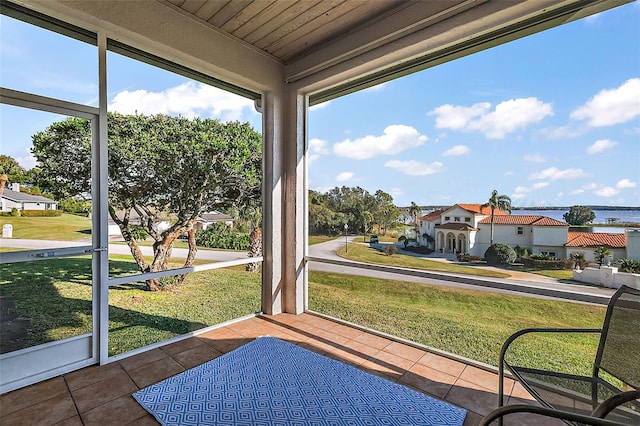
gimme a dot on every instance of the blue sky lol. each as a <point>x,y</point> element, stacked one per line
<point>549,120</point>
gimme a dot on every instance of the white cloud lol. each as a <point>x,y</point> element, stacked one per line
<point>317,148</point>
<point>344,176</point>
<point>396,192</point>
<point>396,138</point>
<point>601,146</point>
<point>553,173</point>
<point>507,116</point>
<point>319,106</point>
<point>576,192</point>
<point>606,191</point>
<point>28,162</point>
<point>188,99</point>
<point>376,87</point>
<point>613,106</point>
<point>456,150</point>
<point>535,158</point>
<point>590,186</point>
<point>458,117</point>
<point>415,168</point>
<point>625,183</point>
<point>521,191</point>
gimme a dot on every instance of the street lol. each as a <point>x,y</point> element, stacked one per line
<point>323,258</point>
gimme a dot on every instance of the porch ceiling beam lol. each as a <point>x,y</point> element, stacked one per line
<point>163,30</point>
<point>469,27</point>
<point>389,30</point>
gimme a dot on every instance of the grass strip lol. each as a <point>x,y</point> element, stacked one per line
<point>365,253</point>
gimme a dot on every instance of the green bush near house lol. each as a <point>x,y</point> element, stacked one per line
<point>390,249</point>
<point>220,235</point>
<point>628,265</point>
<point>500,254</point>
<point>532,262</point>
<point>41,213</point>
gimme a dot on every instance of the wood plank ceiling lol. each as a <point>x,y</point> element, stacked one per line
<point>291,29</point>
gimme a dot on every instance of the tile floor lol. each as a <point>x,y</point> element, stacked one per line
<point>101,395</point>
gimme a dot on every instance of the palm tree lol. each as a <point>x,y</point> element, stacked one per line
<point>500,202</point>
<point>415,210</point>
<point>601,254</point>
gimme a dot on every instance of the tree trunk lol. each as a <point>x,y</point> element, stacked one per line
<point>161,256</point>
<point>191,256</point>
<point>491,226</point>
<point>255,249</point>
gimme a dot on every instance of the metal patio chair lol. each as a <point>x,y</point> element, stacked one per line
<point>609,396</point>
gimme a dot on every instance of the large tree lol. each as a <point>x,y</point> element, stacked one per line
<point>14,172</point>
<point>385,212</point>
<point>159,167</point>
<point>497,202</point>
<point>579,215</point>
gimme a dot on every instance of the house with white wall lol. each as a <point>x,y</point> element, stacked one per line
<point>534,233</point>
<point>207,219</point>
<point>587,242</point>
<point>202,222</point>
<point>466,228</point>
<point>453,230</point>
<point>15,199</point>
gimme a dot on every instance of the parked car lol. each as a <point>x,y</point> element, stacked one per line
<point>373,239</point>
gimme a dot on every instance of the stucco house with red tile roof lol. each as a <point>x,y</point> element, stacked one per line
<point>466,228</point>
<point>587,242</point>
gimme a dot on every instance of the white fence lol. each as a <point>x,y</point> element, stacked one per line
<point>607,276</point>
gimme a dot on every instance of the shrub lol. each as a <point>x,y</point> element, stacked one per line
<point>466,257</point>
<point>15,212</point>
<point>578,257</point>
<point>541,256</point>
<point>419,249</point>
<point>41,213</point>
<point>69,205</point>
<point>520,252</point>
<point>556,264</point>
<point>390,249</point>
<point>628,265</point>
<point>220,235</point>
<point>138,233</point>
<point>500,254</point>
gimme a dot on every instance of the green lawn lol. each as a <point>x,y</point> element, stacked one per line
<point>55,296</point>
<point>366,254</point>
<point>473,324</point>
<point>317,239</point>
<point>67,227</point>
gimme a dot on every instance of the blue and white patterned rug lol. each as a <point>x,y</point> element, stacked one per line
<point>272,382</point>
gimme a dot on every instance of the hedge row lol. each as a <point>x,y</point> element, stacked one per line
<point>33,213</point>
<point>548,264</point>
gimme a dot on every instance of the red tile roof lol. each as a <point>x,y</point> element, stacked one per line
<point>433,215</point>
<point>596,239</point>
<point>477,208</point>
<point>456,226</point>
<point>516,219</point>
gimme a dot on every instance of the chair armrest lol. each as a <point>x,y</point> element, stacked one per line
<point>610,404</point>
<point>500,412</point>
<point>520,333</point>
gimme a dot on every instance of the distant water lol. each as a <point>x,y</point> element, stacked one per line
<point>602,216</point>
